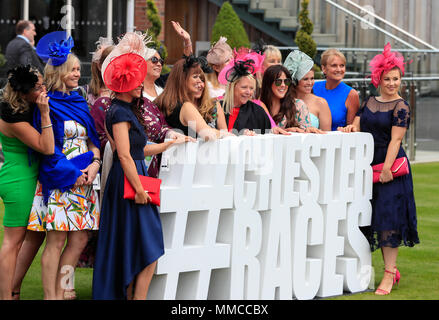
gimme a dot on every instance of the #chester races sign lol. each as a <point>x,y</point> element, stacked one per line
<point>265,217</point>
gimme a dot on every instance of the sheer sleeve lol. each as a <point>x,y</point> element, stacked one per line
<point>302,115</point>
<point>362,106</point>
<point>401,115</point>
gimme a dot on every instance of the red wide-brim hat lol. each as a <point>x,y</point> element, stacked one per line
<point>125,72</point>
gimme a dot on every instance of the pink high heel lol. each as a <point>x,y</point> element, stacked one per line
<point>382,292</point>
<point>397,276</point>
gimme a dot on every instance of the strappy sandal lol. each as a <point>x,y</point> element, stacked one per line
<point>70,294</point>
<point>16,295</point>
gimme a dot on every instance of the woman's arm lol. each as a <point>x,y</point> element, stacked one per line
<point>221,121</point>
<point>153,149</point>
<point>187,43</point>
<point>44,142</point>
<point>352,104</point>
<point>354,127</point>
<point>122,142</point>
<point>93,168</point>
<point>191,117</point>
<point>392,151</point>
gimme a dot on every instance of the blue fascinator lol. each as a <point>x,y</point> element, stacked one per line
<point>54,48</point>
<point>298,64</point>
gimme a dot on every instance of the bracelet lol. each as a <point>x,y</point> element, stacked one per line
<point>187,45</point>
<point>96,159</point>
<point>48,126</point>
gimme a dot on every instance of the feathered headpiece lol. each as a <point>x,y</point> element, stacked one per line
<point>245,62</point>
<point>102,44</point>
<point>298,64</point>
<point>220,52</point>
<point>124,69</point>
<point>54,48</point>
<point>384,62</point>
<point>22,78</point>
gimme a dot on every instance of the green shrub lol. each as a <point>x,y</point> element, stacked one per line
<point>228,24</point>
<point>303,39</point>
<point>2,59</point>
<point>154,31</point>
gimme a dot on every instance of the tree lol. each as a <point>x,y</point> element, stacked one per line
<point>228,24</point>
<point>303,39</point>
<point>154,31</point>
<point>2,59</point>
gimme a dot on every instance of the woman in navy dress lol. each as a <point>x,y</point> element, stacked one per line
<point>387,118</point>
<point>130,238</point>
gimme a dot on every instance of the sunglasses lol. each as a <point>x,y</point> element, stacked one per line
<point>155,60</point>
<point>278,82</point>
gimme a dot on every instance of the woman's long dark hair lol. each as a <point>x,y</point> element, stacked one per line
<point>287,104</point>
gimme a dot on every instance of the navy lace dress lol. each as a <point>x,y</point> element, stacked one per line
<point>393,205</point>
<point>130,235</point>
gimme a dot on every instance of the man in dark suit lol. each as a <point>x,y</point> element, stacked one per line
<point>21,50</point>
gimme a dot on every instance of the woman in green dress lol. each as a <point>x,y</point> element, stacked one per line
<point>18,176</point>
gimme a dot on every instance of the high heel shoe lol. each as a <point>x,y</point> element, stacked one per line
<point>382,292</point>
<point>397,276</point>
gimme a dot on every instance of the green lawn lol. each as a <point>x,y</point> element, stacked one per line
<point>418,265</point>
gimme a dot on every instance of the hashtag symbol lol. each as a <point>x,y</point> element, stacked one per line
<point>189,205</point>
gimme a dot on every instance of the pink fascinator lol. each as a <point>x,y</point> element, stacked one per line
<point>244,62</point>
<point>384,62</point>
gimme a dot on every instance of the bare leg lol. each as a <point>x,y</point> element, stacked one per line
<point>76,242</point>
<point>50,261</point>
<point>13,238</point>
<point>389,255</point>
<point>142,282</point>
<point>31,244</point>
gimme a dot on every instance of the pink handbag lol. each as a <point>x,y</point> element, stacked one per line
<point>399,168</point>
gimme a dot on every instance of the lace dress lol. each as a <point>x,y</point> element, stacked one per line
<point>393,205</point>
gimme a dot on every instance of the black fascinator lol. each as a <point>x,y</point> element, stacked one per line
<point>22,78</point>
<point>240,69</point>
<point>201,61</point>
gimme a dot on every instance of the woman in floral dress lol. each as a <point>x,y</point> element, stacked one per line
<point>65,200</point>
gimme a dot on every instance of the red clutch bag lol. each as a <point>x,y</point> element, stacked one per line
<point>152,185</point>
<point>399,168</point>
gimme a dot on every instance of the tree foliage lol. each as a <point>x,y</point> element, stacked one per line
<point>303,38</point>
<point>154,31</point>
<point>228,24</point>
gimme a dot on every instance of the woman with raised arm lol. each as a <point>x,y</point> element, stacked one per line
<point>387,118</point>
<point>186,104</point>
<point>23,93</point>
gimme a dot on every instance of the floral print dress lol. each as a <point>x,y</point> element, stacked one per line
<point>74,210</point>
<point>303,118</point>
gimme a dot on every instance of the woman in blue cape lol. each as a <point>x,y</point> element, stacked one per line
<point>65,200</point>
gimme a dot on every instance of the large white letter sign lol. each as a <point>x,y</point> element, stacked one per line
<point>265,217</point>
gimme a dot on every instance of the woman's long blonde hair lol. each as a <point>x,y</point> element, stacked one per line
<point>54,76</point>
<point>17,99</point>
